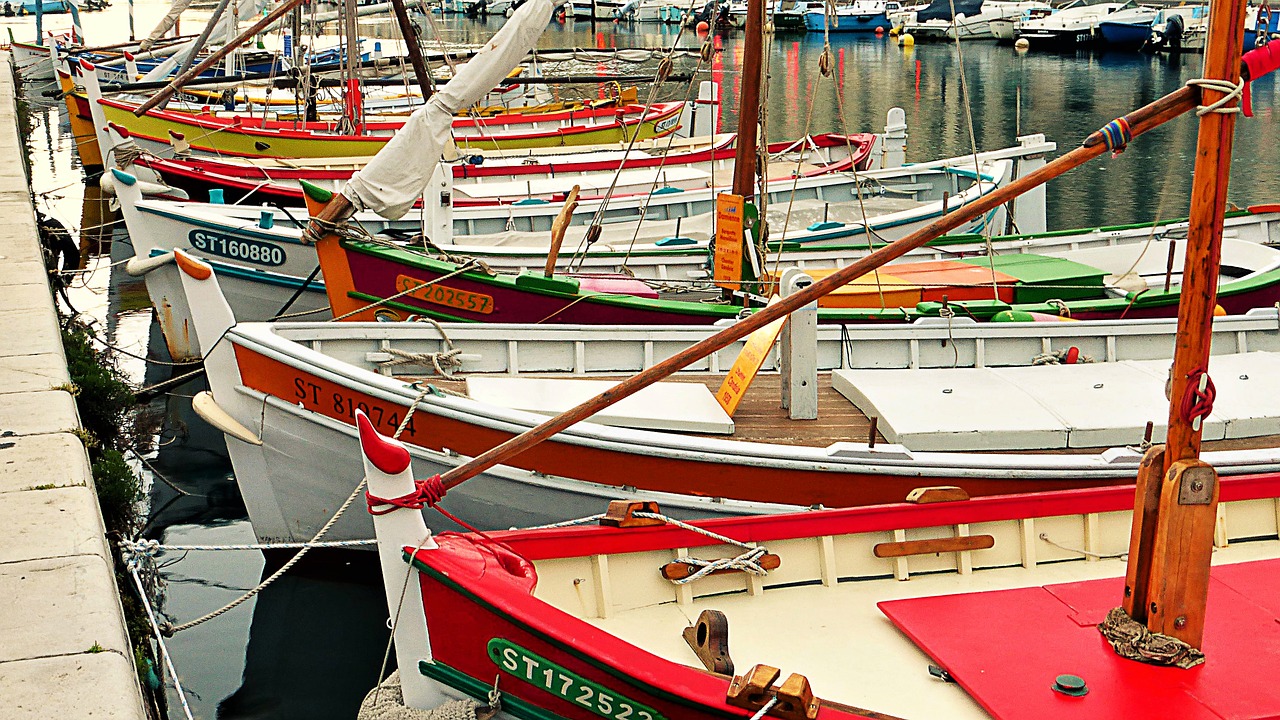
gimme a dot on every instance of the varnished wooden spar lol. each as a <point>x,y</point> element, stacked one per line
<point>1176,502</point>
<point>213,59</point>
<point>1140,121</point>
<point>412,48</point>
<point>744,169</point>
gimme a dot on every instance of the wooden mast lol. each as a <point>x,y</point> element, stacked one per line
<point>1175,509</point>
<point>213,58</point>
<point>744,169</point>
<point>411,46</point>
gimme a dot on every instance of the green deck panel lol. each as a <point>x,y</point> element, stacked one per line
<point>1042,278</point>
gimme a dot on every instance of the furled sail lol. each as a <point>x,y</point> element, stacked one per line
<point>166,23</point>
<point>396,177</point>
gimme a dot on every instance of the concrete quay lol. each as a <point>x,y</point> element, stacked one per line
<point>64,650</point>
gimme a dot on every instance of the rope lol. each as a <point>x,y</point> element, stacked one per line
<point>1132,640</point>
<point>1069,356</point>
<point>1233,92</point>
<point>764,709</point>
<point>1086,553</point>
<point>164,651</point>
<point>1197,398</point>
<point>150,548</point>
<point>748,561</point>
<point>305,547</point>
<point>444,362</point>
<point>426,493</point>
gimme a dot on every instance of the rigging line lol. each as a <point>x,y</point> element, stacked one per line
<point>664,68</point>
<point>973,145</point>
<point>837,80</point>
<point>795,182</point>
<point>693,76</point>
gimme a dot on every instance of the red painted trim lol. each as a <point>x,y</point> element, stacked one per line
<point>594,540</point>
<point>258,127</point>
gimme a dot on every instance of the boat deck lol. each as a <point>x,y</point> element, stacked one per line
<point>760,418</point>
<point>838,638</point>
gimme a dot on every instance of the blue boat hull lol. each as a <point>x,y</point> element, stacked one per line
<point>1125,35</point>
<point>848,23</point>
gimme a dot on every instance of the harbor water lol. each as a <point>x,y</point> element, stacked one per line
<point>312,643</point>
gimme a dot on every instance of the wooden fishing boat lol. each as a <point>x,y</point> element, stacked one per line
<point>241,136</point>
<point>564,617</point>
<point>286,395</point>
<point>1112,282</point>
<point>275,181</point>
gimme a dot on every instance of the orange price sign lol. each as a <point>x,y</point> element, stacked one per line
<point>748,363</point>
<point>730,220</point>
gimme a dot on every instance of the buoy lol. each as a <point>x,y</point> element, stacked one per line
<point>1022,44</point>
<point>703,27</point>
<point>893,32</point>
<point>879,30</point>
<point>1219,311</point>
<point>906,40</point>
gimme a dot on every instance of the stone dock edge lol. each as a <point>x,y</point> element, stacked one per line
<point>64,650</point>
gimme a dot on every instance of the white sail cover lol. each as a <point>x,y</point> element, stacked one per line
<point>396,177</point>
<point>166,23</point>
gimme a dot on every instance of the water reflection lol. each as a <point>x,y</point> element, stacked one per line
<point>310,645</point>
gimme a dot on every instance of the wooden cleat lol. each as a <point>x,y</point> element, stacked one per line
<point>796,700</point>
<point>621,514</point>
<point>709,638</point>
<point>937,493</point>
<point>753,690</point>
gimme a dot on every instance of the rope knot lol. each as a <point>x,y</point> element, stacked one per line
<point>1232,91</point>
<point>137,553</point>
<point>426,493</point>
<point>1197,399</point>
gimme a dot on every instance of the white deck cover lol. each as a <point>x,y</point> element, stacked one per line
<point>1056,406</point>
<point>676,406</point>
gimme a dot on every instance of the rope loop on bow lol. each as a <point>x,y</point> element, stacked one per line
<point>426,493</point>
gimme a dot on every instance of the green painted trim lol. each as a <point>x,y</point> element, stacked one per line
<point>315,192</point>
<point>569,649</point>
<point>544,674</point>
<point>458,680</point>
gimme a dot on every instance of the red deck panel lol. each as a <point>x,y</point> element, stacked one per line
<point>1006,647</point>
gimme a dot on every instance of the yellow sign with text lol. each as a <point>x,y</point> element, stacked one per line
<point>748,363</point>
<point>730,220</point>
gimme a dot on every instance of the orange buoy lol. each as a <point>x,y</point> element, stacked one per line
<point>704,27</point>
<point>1219,311</point>
<point>879,30</point>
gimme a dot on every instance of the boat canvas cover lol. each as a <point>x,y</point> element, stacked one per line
<point>941,9</point>
<point>1006,649</point>
<point>397,176</point>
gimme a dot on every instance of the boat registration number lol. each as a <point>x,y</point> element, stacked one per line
<point>445,295</point>
<point>566,684</point>
<point>254,251</point>
<point>666,124</point>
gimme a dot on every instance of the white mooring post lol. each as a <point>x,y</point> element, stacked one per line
<point>799,352</point>
<point>895,139</point>
<point>1029,207</point>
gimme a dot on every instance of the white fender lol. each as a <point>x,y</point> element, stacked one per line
<point>138,267</point>
<point>209,409</point>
